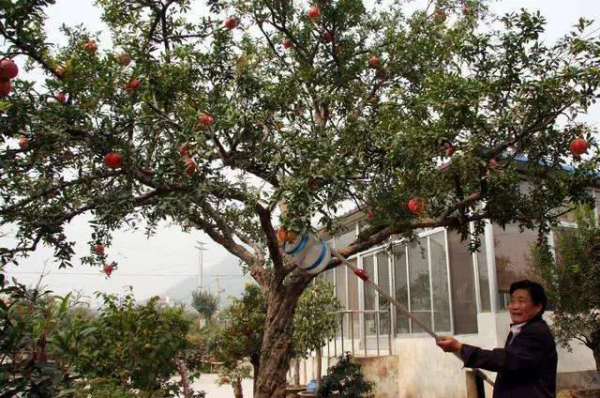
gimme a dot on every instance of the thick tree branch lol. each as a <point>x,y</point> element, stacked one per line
<point>442,221</point>
<point>165,33</point>
<point>264,216</point>
<point>155,22</point>
<point>163,115</point>
<point>29,51</point>
<point>385,233</point>
<point>8,252</point>
<point>60,219</point>
<point>297,44</point>
<point>525,132</point>
<point>34,196</point>
<point>258,272</point>
<point>268,39</point>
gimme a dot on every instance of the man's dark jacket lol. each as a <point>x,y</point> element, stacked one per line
<point>526,366</point>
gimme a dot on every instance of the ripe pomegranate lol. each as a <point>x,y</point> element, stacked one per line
<point>123,59</point>
<point>206,120</point>
<point>416,205</point>
<point>90,47</point>
<point>440,16</point>
<point>8,69</point>
<point>98,249</point>
<point>108,268</point>
<point>230,23</point>
<point>60,97</point>
<point>190,166</point>
<point>24,143</point>
<point>113,160</point>
<point>131,86</point>
<point>374,62</point>
<point>184,149</point>
<point>283,235</point>
<point>313,13</point>
<point>578,147</point>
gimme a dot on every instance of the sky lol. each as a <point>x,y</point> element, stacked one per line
<point>153,265</point>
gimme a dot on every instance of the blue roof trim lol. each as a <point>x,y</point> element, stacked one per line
<point>565,167</point>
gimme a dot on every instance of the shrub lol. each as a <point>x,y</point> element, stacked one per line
<point>346,378</point>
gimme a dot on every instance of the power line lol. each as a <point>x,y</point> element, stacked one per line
<point>121,274</point>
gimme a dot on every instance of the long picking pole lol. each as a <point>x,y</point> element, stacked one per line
<point>363,275</point>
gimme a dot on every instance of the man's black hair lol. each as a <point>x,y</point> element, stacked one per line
<point>536,291</point>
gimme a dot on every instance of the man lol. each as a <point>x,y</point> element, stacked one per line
<point>527,364</point>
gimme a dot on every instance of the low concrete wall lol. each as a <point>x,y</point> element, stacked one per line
<point>425,371</point>
<point>384,372</point>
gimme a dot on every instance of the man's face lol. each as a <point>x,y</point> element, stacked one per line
<point>521,306</point>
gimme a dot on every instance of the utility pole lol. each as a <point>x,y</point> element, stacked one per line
<point>218,291</point>
<point>200,247</point>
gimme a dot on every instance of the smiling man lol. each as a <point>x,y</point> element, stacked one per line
<point>527,364</point>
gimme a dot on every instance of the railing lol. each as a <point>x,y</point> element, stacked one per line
<point>362,328</point>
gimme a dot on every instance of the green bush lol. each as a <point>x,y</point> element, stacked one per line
<point>40,335</point>
<point>346,378</point>
<point>102,388</point>
<point>134,345</point>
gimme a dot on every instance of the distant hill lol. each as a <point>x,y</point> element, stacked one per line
<point>230,279</point>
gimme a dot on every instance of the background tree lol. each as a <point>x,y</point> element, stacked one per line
<point>36,348</point>
<point>205,303</point>
<point>572,279</point>
<point>315,322</point>
<point>211,123</point>
<point>234,375</point>
<point>135,346</point>
<point>242,336</point>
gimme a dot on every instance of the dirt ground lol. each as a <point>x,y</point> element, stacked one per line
<point>208,384</point>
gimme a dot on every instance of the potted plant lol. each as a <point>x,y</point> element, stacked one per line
<point>346,380</point>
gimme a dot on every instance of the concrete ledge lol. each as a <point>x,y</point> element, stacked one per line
<point>383,370</point>
<point>588,379</point>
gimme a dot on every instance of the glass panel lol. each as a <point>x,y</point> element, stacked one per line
<point>369,294</point>
<point>328,276</point>
<point>383,280</point>
<point>439,280</point>
<point>340,284</point>
<point>464,306</point>
<point>484,279</point>
<point>558,234</point>
<point>420,299</point>
<point>512,250</point>
<point>400,287</point>
<point>353,300</point>
<point>340,291</point>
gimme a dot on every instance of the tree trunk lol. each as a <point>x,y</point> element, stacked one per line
<point>236,383</point>
<point>277,340</point>
<point>255,361</point>
<point>297,371</point>
<point>597,358</point>
<point>319,363</point>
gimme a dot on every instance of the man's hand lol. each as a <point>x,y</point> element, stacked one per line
<point>449,344</point>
